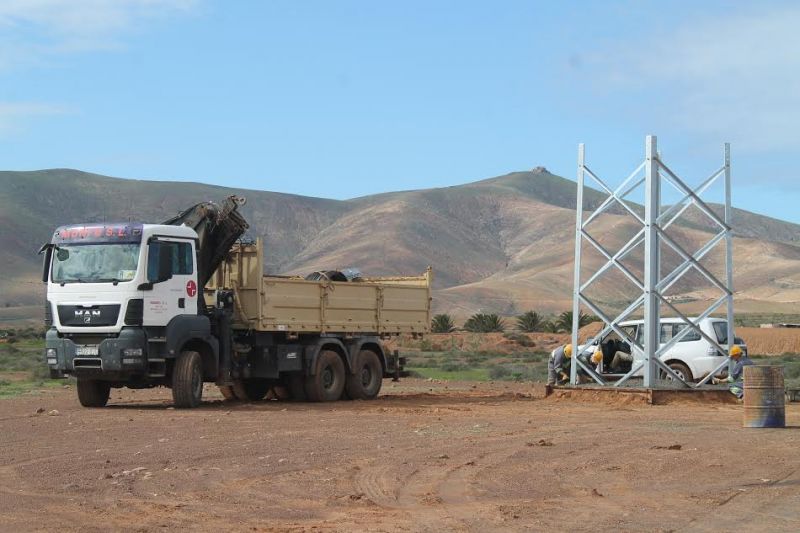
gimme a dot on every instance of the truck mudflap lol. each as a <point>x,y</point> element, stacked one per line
<point>110,359</point>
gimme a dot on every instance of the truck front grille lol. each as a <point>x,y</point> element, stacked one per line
<point>93,316</point>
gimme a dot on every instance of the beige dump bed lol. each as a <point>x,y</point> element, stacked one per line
<point>277,303</point>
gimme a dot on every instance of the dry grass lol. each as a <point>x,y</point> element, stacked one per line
<point>771,341</point>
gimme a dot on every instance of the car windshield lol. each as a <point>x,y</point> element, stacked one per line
<point>721,329</point>
<point>95,263</point>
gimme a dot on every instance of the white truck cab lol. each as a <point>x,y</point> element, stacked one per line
<point>103,277</point>
<point>113,290</point>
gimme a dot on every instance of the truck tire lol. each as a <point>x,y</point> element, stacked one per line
<point>327,383</point>
<point>93,393</point>
<point>367,378</point>
<point>187,380</point>
<point>251,390</point>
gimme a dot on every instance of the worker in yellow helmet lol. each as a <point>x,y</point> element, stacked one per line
<point>597,358</point>
<point>734,379</point>
<point>558,365</point>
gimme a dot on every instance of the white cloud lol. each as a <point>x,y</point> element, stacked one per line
<point>34,31</point>
<point>733,76</point>
<point>12,114</point>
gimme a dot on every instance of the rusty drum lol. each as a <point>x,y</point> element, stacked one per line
<point>764,400</point>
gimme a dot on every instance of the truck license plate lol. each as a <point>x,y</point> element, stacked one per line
<point>86,350</point>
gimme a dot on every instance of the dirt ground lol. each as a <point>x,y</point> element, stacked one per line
<point>425,456</point>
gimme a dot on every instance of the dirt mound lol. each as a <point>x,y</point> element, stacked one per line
<point>600,397</point>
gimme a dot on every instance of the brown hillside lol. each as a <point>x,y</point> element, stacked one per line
<point>502,245</point>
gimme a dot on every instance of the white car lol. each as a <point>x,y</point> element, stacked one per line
<point>692,358</point>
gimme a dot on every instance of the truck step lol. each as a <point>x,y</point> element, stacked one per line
<point>157,339</point>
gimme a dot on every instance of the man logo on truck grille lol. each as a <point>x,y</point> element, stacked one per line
<point>87,314</point>
<point>191,288</point>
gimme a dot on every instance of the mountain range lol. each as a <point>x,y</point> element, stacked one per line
<point>503,244</point>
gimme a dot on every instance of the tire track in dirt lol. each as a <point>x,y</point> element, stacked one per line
<point>439,496</point>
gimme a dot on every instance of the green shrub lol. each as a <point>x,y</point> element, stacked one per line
<point>792,371</point>
<point>442,324</point>
<point>40,372</point>
<point>485,323</point>
<point>520,339</point>
<point>564,321</point>
<point>425,345</point>
<point>499,372</point>
<point>534,357</point>
<point>530,321</point>
<point>453,366</point>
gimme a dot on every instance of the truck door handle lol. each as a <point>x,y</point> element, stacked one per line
<point>181,302</point>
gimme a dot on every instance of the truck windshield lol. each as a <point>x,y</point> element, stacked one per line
<point>95,263</point>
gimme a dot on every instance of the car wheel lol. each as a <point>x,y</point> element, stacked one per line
<point>681,370</point>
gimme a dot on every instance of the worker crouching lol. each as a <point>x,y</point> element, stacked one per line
<point>734,379</point>
<point>558,365</point>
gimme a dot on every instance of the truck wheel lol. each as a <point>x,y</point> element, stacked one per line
<point>365,383</point>
<point>680,369</point>
<point>93,393</point>
<point>187,380</point>
<point>327,383</point>
<point>251,390</point>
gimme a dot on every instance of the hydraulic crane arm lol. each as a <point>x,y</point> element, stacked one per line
<point>217,227</point>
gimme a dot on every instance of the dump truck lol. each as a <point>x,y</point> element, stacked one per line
<point>186,302</point>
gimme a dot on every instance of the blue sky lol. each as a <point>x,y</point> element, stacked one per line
<point>343,99</point>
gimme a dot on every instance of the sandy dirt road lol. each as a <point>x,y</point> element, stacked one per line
<point>423,457</point>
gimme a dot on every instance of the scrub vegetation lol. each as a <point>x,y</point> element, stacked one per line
<point>22,366</point>
<point>449,362</point>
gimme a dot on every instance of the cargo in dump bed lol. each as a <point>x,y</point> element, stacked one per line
<point>376,306</point>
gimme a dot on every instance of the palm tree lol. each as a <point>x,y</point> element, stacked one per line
<point>484,323</point>
<point>549,326</point>
<point>564,320</point>
<point>442,324</point>
<point>529,322</point>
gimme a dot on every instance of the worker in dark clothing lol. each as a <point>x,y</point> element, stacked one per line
<point>735,378</point>
<point>558,365</point>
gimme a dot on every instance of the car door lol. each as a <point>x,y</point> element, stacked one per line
<point>690,350</point>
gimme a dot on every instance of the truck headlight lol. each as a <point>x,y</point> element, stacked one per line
<point>51,355</point>
<point>132,352</point>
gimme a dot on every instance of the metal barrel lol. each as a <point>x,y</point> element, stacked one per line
<point>764,400</point>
